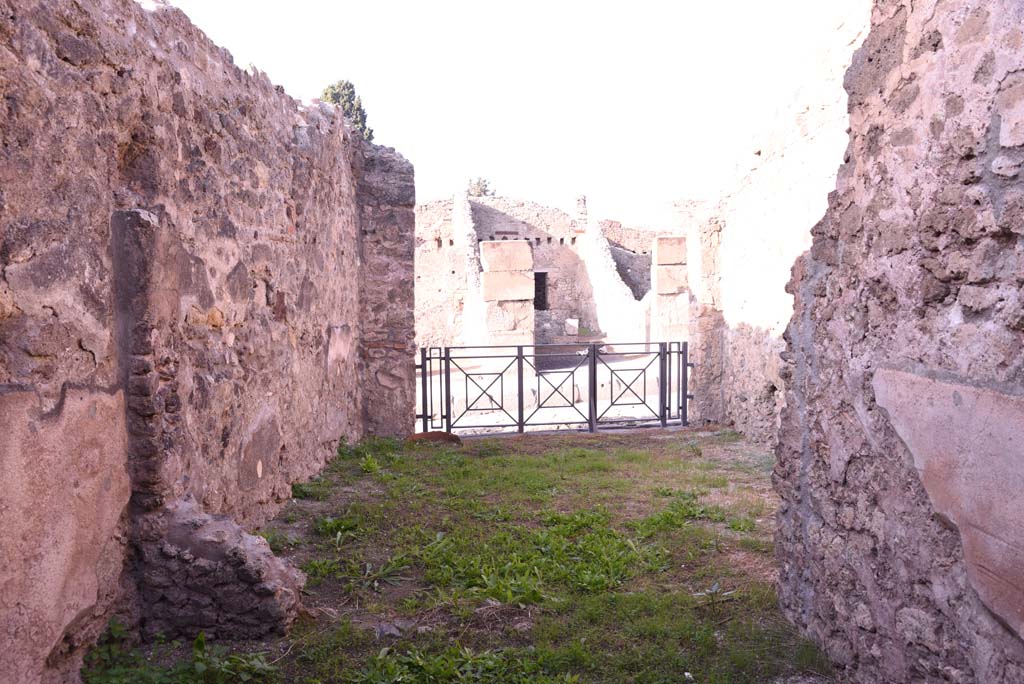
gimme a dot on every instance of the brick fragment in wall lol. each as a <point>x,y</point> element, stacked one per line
<point>903,363</point>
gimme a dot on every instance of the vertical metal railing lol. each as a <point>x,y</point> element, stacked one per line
<point>519,373</point>
<point>663,378</point>
<point>618,380</point>
<point>447,389</point>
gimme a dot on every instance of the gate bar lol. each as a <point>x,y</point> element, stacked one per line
<point>448,389</point>
<point>685,384</point>
<point>662,383</point>
<point>519,364</point>
<point>423,386</point>
<point>592,403</point>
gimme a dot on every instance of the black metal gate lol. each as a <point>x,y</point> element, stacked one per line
<point>555,385</point>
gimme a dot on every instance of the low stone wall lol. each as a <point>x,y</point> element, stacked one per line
<point>901,463</point>
<point>197,263</point>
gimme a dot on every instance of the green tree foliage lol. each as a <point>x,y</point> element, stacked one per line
<point>343,94</point>
<point>480,187</point>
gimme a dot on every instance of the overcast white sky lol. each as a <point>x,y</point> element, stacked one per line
<point>634,104</point>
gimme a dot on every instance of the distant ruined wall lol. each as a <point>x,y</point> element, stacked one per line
<point>449,309</point>
<point>742,246</point>
<point>631,249</point>
<point>901,460</point>
<point>441,280</point>
<point>192,313</point>
<point>553,235</point>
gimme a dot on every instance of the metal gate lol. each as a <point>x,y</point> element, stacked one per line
<point>586,386</point>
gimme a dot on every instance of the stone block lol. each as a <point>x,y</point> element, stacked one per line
<point>669,250</point>
<point>502,255</point>
<point>505,316</point>
<point>572,326</point>
<point>669,280</point>
<point>507,285</point>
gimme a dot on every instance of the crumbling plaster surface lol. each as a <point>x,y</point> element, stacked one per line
<point>910,294</point>
<point>182,232</point>
<point>968,449</point>
<point>742,245</point>
<point>63,540</point>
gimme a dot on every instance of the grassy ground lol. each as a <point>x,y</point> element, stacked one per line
<point>642,557</point>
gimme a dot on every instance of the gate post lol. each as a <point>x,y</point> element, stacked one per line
<point>448,389</point>
<point>519,364</point>
<point>686,384</point>
<point>592,403</point>
<point>424,388</point>
<point>662,383</point>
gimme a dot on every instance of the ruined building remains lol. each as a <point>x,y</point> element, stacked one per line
<point>901,463</point>
<point>493,270</point>
<point>203,286</point>
<point>742,244</point>
<point>721,287</point>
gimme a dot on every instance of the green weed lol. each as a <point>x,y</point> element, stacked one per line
<point>577,552</point>
<point>455,665</point>
<point>113,662</point>
<point>317,489</point>
<point>742,524</point>
<point>683,509</point>
<point>279,541</point>
<point>319,569</point>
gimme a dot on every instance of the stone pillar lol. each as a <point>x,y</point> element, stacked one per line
<point>507,289</point>
<point>386,195</point>
<point>707,327</point>
<point>670,309</point>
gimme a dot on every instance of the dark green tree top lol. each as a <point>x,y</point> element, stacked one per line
<point>343,94</point>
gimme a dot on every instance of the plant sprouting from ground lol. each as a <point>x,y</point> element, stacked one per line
<point>114,662</point>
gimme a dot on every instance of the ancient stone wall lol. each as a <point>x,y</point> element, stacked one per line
<point>507,289</point>
<point>631,249</point>
<point>670,296</point>
<point>743,244</point>
<point>553,235</point>
<point>386,196</point>
<point>901,464</point>
<point>179,238</point>
<point>636,240</point>
<point>449,309</point>
<point>441,278</point>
